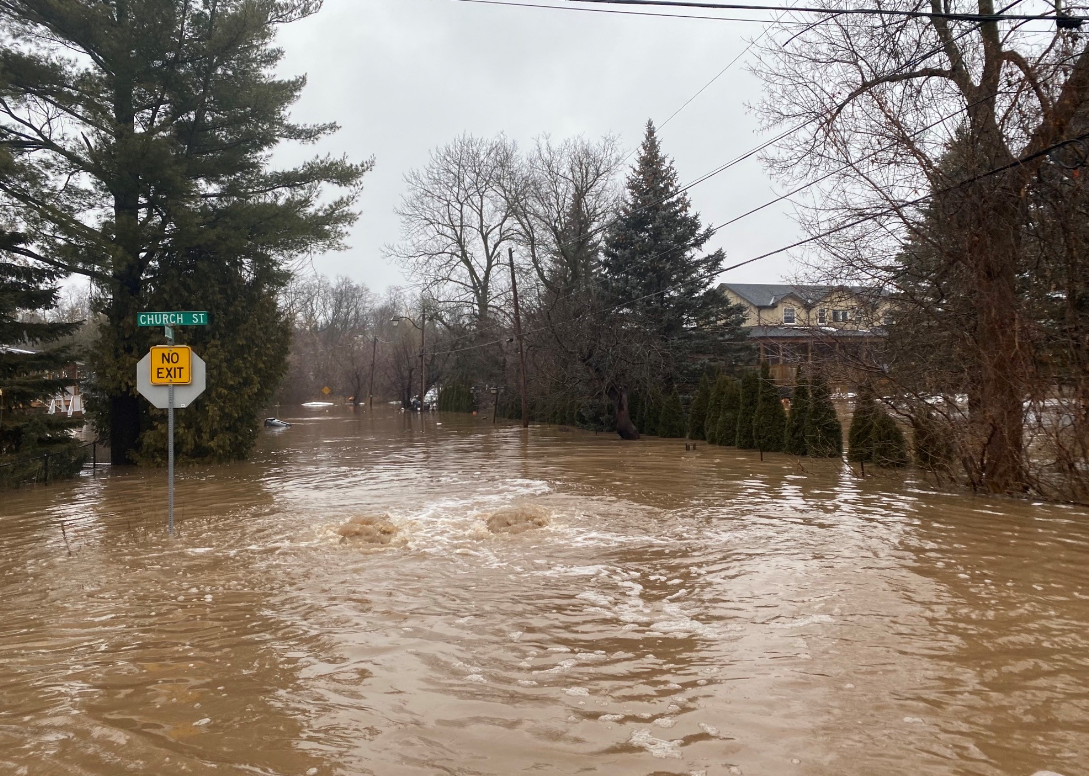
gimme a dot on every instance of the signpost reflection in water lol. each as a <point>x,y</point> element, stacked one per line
<point>656,611</point>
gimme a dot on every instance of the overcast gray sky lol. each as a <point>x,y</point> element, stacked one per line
<point>404,76</point>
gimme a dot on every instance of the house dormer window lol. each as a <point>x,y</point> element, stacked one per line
<point>789,315</point>
<point>840,316</point>
<point>822,315</point>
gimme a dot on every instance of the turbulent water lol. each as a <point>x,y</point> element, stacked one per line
<point>548,602</point>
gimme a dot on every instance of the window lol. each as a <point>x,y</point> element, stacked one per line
<point>789,315</point>
<point>839,316</point>
<point>822,315</point>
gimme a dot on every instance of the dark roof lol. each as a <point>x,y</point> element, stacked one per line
<point>770,294</point>
<point>810,332</point>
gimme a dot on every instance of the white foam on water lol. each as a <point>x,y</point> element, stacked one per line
<point>611,718</point>
<point>580,691</point>
<point>477,678</point>
<point>657,747</point>
<point>665,722</point>
<point>710,730</point>
<point>527,683</point>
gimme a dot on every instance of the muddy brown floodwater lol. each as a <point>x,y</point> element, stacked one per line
<point>547,602</point>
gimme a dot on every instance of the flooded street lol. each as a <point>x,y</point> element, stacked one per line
<point>548,602</point>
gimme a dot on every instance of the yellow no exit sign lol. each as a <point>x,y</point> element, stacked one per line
<point>171,365</point>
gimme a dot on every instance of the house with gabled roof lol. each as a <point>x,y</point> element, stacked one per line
<point>794,324</point>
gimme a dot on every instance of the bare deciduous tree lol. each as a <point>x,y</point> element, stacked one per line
<point>880,107</point>
<point>455,224</point>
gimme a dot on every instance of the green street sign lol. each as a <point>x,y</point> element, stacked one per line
<point>172,319</point>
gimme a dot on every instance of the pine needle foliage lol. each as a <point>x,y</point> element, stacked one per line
<point>799,410</point>
<point>28,358</point>
<point>697,413</point>
<point>726,433</point>
<point>652,411</point>
<point>140,137</point>
<point>823,432</point>
<point>671,422</point>
<point>714,409</point>
<point>769,420</point>
<point>746,411</point>
<point>874,436</point>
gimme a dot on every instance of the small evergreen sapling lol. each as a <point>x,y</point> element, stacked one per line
<point>726,433</point>
<point>799,409</point>
<point>746,411</point>
<point>697,414</point>
<point>769,420</point>
<point>652,410</point>
<point>823,432</point>
<point>671,422</point>
<point>874,436</point>
<point>714,409</point>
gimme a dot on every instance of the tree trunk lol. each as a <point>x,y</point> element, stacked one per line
<point>121,316</point>
<point>624,427</point>
<point>998,414</point>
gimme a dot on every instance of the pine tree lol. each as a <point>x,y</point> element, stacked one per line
<point>823,432</point>
<point>714,409</point>
<point>874,436</point>
<point>26,362</point>
<point>697,413</point>
<point>746,411</point>
<point>799,409</point>
<point>769,420</point>
<point>181,163</point>
<point>726,433</point>
<point>671,423</point>
<point>652,273</point>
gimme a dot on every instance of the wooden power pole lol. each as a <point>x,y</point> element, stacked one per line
<point>518,335</point>
<point>374,359</point>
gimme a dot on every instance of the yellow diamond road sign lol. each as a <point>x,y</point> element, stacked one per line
<point>171,365</point>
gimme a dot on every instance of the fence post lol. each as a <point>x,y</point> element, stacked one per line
<point>46,468</point>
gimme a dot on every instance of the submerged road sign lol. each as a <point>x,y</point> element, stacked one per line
<point>185,318</point>
<point>159,395</point>
<point>171,365</point>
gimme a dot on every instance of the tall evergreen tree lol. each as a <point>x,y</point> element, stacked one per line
<point>162,115</point>
<point>657,281</point>
<point>697,413</point>
<point>27,362</point>
<point>726,433</point>
<point>746,410</point>
<point>823,432</point>
<point>769,420</point>
<point>799,409</point>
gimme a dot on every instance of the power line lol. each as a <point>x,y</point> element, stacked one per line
<point>512,4</point>
<point>966,17</point>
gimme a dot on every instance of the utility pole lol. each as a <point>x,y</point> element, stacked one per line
<point>423,376</point>
<point>518,335</point>
<point>370,391</point>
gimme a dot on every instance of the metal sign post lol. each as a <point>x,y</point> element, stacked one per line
<point>168,375</point>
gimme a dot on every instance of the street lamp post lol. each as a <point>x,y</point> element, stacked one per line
<point>423,333</point>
